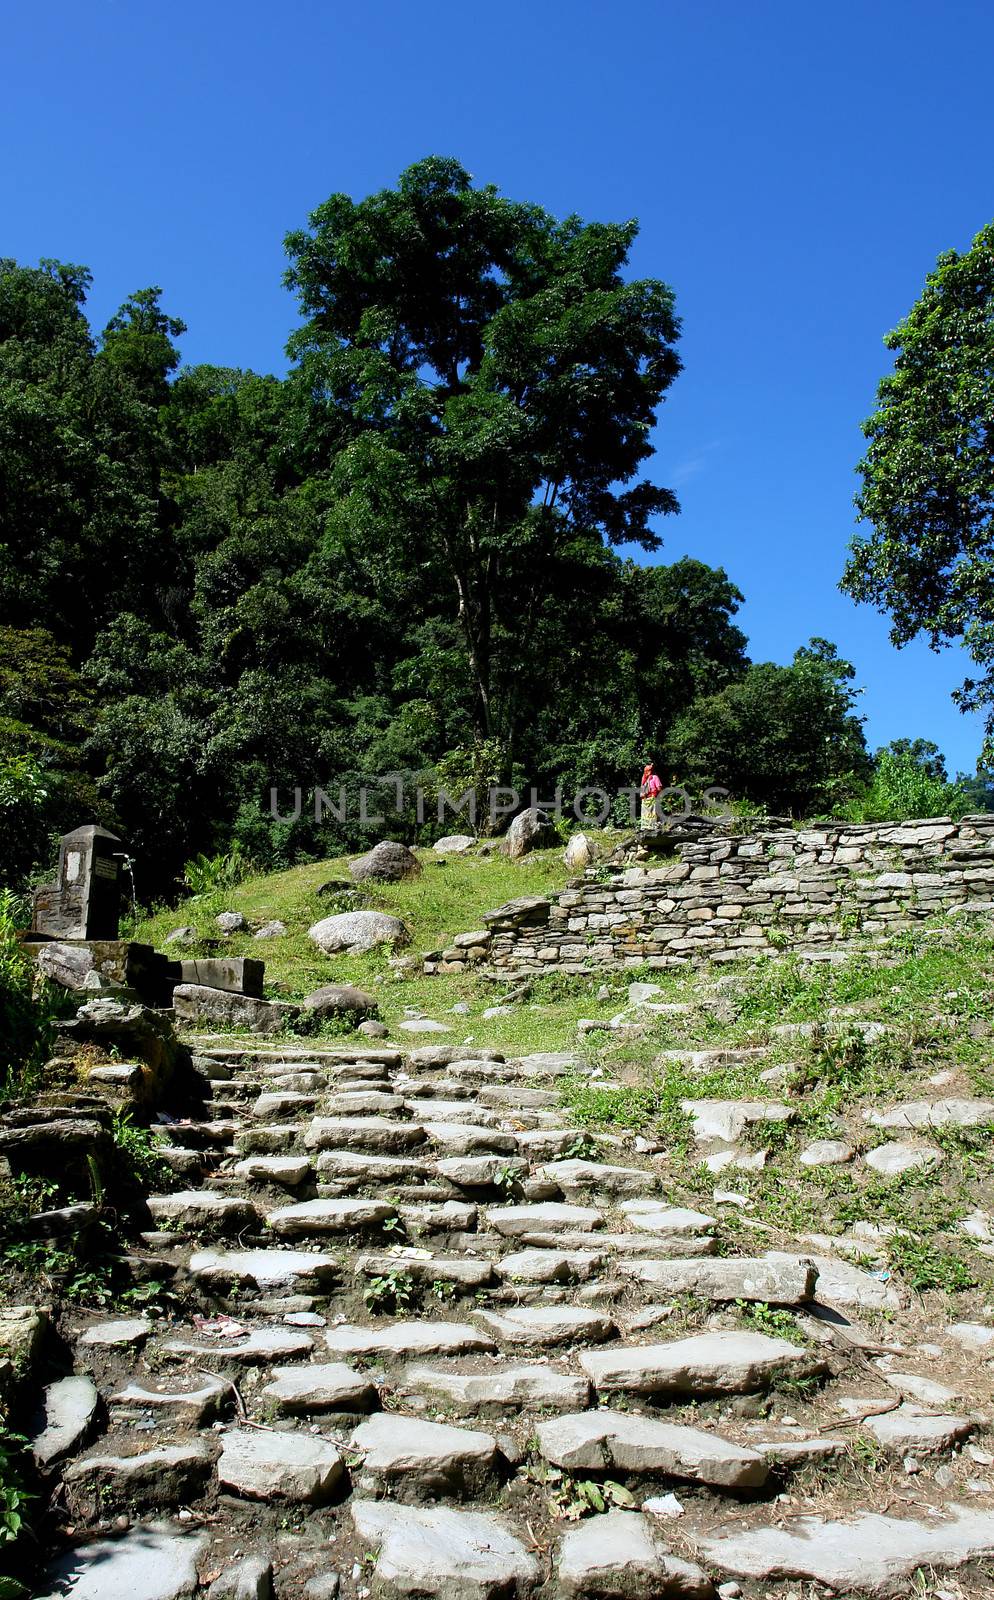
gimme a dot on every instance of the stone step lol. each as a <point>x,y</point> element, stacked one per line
<point>706,1364</point>
<point>291,1271</point>
<point>417,1460</point>
<point>515,1221</point>
<point>407,1339</point>
<point>378,1135</point>
<point>168,1475</point>
<point>310,1219</point>
<point>284,1171</point>
<point>204,1211</point>
<point>319,1387</point>
<point>443,1551</point>
<point>193,1399</point>
<point>463,1272</point>
<point>542,1327</point>
<point>257,1347</point>
<point>869,1553</point>
<point>610,1441</point>
<point>498,1390</point>
<point>782,1282</point>
<point>279,1465</point>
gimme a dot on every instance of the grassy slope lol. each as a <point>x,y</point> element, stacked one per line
<point>448,898</point>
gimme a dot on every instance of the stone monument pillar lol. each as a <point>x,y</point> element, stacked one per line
<point>85,900</point>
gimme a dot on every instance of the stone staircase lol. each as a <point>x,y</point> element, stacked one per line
<point>431,1340</point>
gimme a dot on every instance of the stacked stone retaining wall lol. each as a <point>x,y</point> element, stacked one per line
<point>725,897</point>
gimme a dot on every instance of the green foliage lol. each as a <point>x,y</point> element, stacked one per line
<point>925,1265</point>
<point>207,874</point>
<point>906,784</point>
<point>783,738</point>
<point>29,1008</point>
<point>762,1318</point>
<point>928,473</point>
<point>139,1152</point>
<point>390,1292</point>
<point>14,1497</point>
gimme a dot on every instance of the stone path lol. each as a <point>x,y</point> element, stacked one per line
<point>430,1341</point>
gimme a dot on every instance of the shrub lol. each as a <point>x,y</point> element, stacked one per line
<point>903,787</point>
<point>28,1009</point>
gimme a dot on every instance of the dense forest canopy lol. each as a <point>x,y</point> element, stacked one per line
<point>403,556</point>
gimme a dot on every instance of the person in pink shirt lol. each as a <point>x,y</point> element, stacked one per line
<point>650,789</point>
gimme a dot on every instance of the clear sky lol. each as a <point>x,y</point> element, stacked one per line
<point>796,169</point>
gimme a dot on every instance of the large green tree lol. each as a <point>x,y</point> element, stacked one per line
<point>784,738</point>
<point>928,473</point>
<point>500,377</point>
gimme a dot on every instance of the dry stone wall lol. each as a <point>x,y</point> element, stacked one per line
<point>723,897</point>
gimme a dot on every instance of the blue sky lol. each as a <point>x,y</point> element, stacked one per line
<point>796,170</point>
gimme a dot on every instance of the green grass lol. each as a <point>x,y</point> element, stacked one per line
<point>449,897</point>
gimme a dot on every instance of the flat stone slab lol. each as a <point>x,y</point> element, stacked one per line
<point>407,1339</point>
<point>263,1465</point>
<point>363,1133</point>
<point>727,1120</point>
<point>514,1221</point>
<point>708,1363</point>
<point>652,1216</point>
<point>320,1386</point>
<point>575,1175</point>
<point>620,1556</point>
<point>364,1102</point>
<point>907,1431</point>
<point>948,1113</point>
<point>549,1266</point>
<point>462,1270</point>
<point>445,1552</point>
<point>67,1411</point>
<point>826,1153</point>
<point>122,1333</point>
<point>469,1138</point>
<point>300,1271</point>
<point>846,1287</point>
<point>194,1400</point>
<point>149,1563</point>
<point>371,1168</point>
<point>507,1388</point>
<point>720,1278</point>
<point>600,1441</point>
<point>870,1553</point>
<point>971,1335</point>
<point>545,1326</point>
<point>313,1217</point>
<point>288,1170</point>
<point>203,1210</point>
<point>479,1172</point>
<point>423,1459</point>
<point>166,1476</point>
<point>259,1346</point>
<point>890,1160</point>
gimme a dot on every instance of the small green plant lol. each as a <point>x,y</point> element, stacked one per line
<point>777,1323</point>
<point>445,1290</point>
<point>13,1495</point>
<point>578,1497</point>
<point>389,1291</point>
<point>925,1266</point>
<point>208,874</point>
<point>139,1150</point>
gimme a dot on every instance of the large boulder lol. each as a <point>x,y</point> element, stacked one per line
<point>354,931</point>
<point>579,852</point>
<point>387,862</point>
<point>530,830</point>
<point>132,1032</point>
<point>339,1000</point>
<point>195,1003</point>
